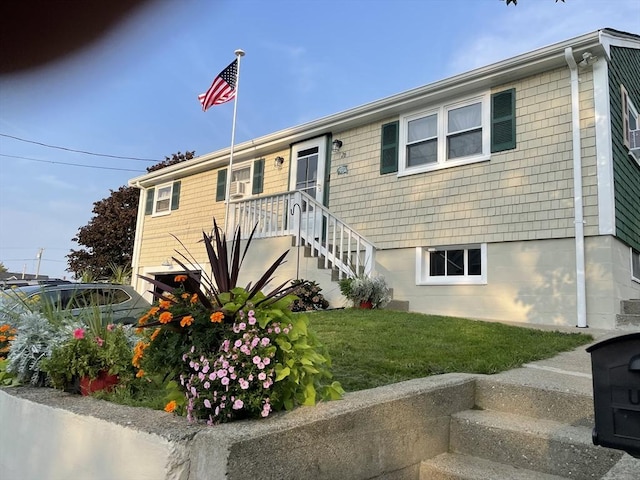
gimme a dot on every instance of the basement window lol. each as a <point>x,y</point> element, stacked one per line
<point>635,265</point>
<point>452,265</point>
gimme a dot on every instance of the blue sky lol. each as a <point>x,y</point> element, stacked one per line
<point>134,92</point>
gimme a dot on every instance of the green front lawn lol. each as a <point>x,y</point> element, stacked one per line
<point>370,348</point>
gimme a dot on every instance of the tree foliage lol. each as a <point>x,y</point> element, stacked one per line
<point>108,237</point>
<point>175,158</point>
<point>3,269</point>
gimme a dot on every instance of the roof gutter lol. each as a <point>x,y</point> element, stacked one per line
<point>581,297</point>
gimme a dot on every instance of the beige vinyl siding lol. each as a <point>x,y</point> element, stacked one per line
<point>520,194</point>
<point>198,207</point>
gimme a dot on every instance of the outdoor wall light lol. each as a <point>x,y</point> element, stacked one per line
<point>278,162</point>
<point>337,145</point>
<point>587,59</point>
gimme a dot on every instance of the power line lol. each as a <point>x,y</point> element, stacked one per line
<point>79,151</point>
<point>71,164</point>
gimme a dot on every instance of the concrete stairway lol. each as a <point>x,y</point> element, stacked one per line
<point>529,423</point>
<point>398,305</point>
<point>630,314</point>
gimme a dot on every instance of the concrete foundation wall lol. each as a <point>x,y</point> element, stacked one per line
<point>378,433</point>
<point>529,282</point>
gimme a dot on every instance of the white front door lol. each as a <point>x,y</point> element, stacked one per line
<point>307,175</point>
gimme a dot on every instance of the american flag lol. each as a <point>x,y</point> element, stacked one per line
<point>222,89</point>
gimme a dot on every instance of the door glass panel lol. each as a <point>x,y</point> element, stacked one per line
<point>307,171</point>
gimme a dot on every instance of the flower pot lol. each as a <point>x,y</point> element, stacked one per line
<point>366,305</point>
<point>103,381</point>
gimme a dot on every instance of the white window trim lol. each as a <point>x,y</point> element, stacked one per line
<point>441,111</point>
<point>156,198</point>
<point>632,110</point>
<point>633,253</point>
<point>422,267</point>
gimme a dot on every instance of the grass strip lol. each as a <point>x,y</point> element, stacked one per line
<point>370,348</point>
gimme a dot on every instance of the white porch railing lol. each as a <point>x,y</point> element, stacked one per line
<point>310,223</point>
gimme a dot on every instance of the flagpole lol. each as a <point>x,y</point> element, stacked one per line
<point>239,53</point>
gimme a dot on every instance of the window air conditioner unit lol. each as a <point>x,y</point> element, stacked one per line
<point>237,189</point>
<point>634,142</point>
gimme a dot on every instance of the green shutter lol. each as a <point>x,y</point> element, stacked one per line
<point>221,187</point>
<point>258,176</point>
<point>389,151</point>
<point>175,196</point>
<point>503,121</point>
<point>148,207</point>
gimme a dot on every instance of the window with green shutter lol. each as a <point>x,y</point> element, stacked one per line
<point>503,121</point>
<point>221,186</point>
<point>258,176</point>
<point>389,150</point>
<point>148,207</point>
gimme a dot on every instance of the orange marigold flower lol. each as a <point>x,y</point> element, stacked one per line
<point>5,327</point>
<point>180,278</point>
<point>194,298</point>
<point>139,330</point>
<point>3,338</point>
<point>165,317</point>
<point>155,333</point>
<point>171,406</point>
<point>185,295</point>
<point>165,304</point>
<point>217,317</point>
<point>186,321</point>
<point>140,373</point>
<point>154,310</point>
<point>144,319</point>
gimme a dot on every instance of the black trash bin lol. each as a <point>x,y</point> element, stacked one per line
<point>615,364</point>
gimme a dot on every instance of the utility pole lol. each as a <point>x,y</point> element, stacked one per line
<point>39,257</point>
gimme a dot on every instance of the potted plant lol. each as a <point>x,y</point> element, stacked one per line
<point>365,291</point>
<point>90,359</point>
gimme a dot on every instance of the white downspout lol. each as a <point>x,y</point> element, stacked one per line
<point>581,306</point>
<point>135,257</point>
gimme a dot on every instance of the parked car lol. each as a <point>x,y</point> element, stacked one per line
<point>6,284</point>
<point>120,302</point>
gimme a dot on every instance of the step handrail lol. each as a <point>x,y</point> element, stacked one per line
<point>297,214</point>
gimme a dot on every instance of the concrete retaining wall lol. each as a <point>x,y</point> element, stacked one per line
<point>380,433</point>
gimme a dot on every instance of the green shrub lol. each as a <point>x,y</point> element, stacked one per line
<point>308,296</point>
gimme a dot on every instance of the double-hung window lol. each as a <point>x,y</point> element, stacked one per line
<point>162,199</point>
<point>445,136</point>
<point>635,265</point>
<point>455,265</point>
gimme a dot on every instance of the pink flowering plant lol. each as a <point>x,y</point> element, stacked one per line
<point>232,352</point>
<point>87,353</point>
<point>238,381</point>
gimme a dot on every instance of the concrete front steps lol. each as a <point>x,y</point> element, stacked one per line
<point>397,305</point>
<point>527,424</point>
<point>629,316</point>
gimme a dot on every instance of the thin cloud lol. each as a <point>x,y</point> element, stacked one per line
<point>531,25</point>
<point>55,182</point>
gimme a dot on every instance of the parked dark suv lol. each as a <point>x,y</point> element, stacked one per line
<point>121,303</point>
